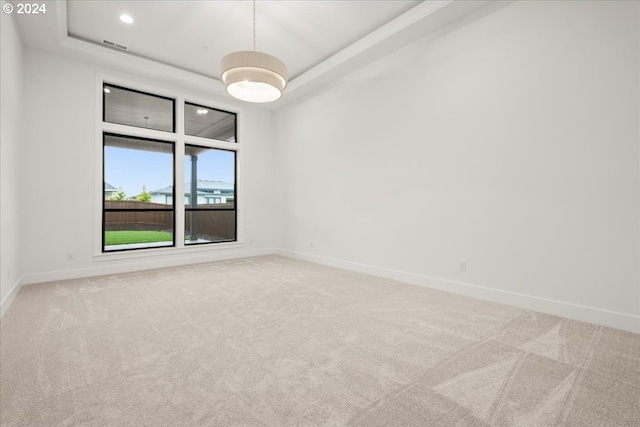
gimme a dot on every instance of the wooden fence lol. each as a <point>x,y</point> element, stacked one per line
<point>215,224</point>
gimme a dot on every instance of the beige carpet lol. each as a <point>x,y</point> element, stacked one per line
<point>271,341</point>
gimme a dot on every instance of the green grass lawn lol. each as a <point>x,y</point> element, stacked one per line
<point>129,236</point>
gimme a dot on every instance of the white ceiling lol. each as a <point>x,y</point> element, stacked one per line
<point>195,35</point>
<point>182,42</point>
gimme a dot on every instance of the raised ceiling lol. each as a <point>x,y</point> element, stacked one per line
<point>195,35</point>
<point>180,43</point>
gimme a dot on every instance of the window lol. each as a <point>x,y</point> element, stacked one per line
<point>141,147</point>
<point>132,218</point>
<point>209,171</point>
<point>207,122</point>
<point>134,108</point>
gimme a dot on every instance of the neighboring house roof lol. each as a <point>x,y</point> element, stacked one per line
<point>165,190</point>
<point>109,187</point>
<point>204,187</point>
<point>204,184</point>
<point>169,190</point>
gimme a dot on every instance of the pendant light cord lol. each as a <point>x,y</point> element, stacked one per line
<point>254,25</point>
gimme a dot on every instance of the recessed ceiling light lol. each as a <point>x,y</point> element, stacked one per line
<point>126,19</point>
<point>107,90</point>
<point>201,111</point>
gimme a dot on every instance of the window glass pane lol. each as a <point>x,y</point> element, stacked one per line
<point>214,172</point>
<point>208,122</point>
<point>137,229</point>
<point>212,226</point>
<point>138,192</point>
<point>128,107</point>
<point>209,175</point>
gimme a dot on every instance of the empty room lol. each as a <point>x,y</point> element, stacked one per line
<point>320,213</point>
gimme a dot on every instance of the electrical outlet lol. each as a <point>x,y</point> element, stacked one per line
<point>69,256</point>
<point>462,265</point>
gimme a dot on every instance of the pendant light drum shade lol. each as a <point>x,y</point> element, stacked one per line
<point>253,76</point>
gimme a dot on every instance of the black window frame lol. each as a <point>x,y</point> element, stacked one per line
<point>173,204</point>
<point>235,200</point>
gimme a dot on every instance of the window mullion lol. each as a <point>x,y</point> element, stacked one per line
<point>179,194</point>
<point>179,175</point>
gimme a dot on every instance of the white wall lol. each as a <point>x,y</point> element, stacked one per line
<point>58,177</point>
<point>12,88</point>
<point>510,142</point>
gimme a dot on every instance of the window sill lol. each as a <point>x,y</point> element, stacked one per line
<point>155,252</point>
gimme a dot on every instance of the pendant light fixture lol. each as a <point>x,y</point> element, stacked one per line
<point>253,76</point>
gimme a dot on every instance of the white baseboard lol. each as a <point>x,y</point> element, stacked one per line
<point>140,264</point>
<point>612,319</point>
<point>6,302</point>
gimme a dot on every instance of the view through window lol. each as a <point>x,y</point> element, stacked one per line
<point>209,195</point>
<point>139,180</point>
<point>132,218</point>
